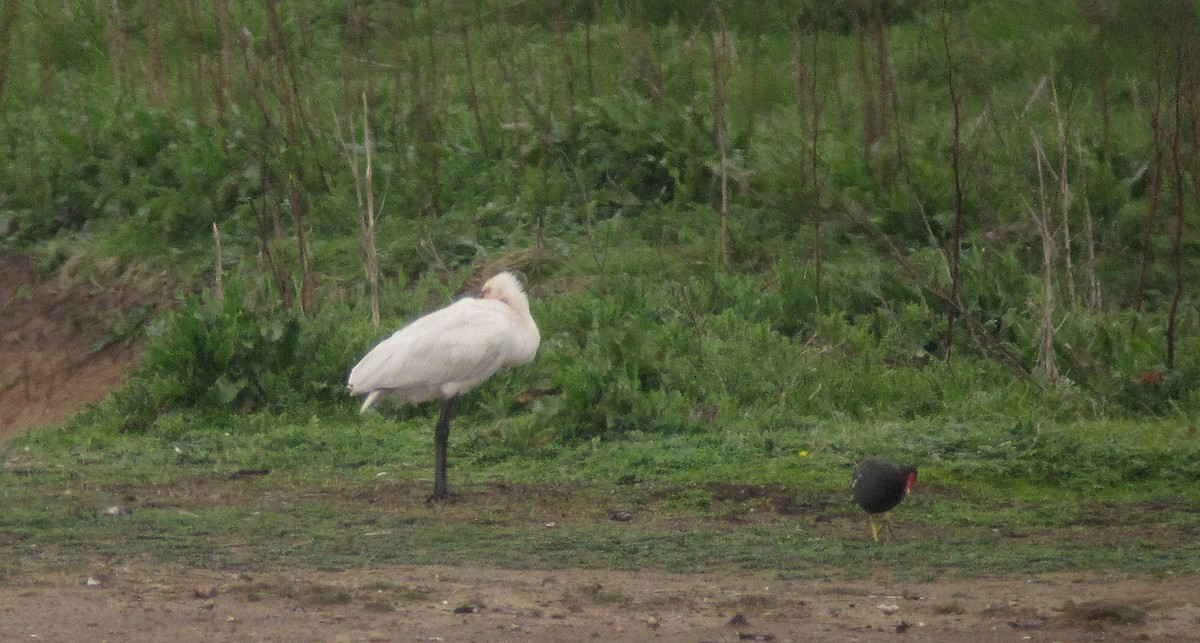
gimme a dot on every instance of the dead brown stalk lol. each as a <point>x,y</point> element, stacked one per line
<point>721,60</point>
<point>1047,365</point>
<point>954,249</point>
<point>365,194</point>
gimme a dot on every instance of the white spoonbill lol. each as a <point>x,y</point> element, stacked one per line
<point>449,352</point>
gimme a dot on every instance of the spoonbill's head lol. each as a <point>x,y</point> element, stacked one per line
<point>506,288</point>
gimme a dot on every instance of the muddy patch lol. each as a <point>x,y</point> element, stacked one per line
<point>66,340</point>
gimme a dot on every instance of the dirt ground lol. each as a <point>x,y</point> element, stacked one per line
<point>139,603</point>
<point>54,358</point>
<point>57,349</point>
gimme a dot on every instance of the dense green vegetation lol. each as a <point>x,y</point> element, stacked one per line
<point>964,233</point>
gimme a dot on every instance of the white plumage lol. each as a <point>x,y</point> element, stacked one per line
<point>449,352</point>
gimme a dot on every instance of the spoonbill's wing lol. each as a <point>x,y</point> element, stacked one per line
<point>441,354</point>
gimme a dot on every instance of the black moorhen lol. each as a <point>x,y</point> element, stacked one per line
<point>879,485</point>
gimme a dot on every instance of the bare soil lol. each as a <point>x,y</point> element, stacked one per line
<point>141,603</point>
<point>57,348</point>
<point>56,355</point>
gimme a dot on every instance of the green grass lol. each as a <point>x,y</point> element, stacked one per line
<point>356,501</point>
<point>664,420</point>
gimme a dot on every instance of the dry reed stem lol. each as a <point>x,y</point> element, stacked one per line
<point>369,224</point>
<point>1047,365</point>
<point>721,59</point>
<point>219,268</point>
<point>954,251</point>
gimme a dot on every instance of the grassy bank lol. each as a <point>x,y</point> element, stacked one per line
<point>759,244</point>
<point>350,495</point>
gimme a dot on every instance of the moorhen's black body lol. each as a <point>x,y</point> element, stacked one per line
<point>879,485</point>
